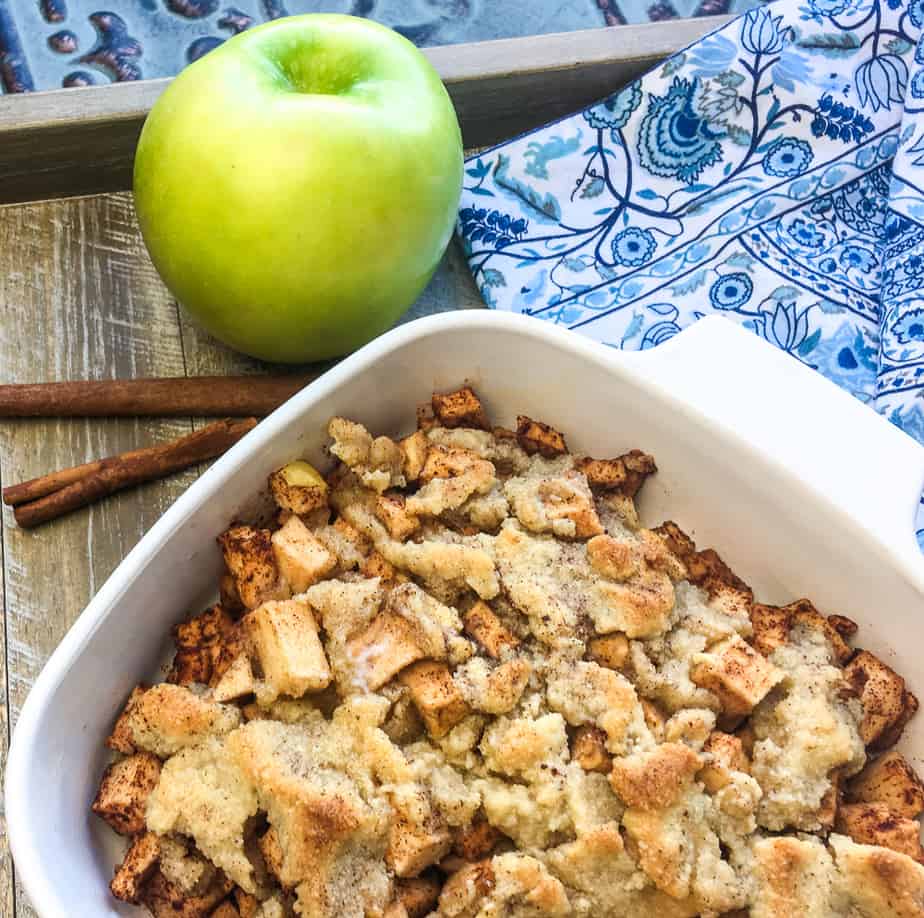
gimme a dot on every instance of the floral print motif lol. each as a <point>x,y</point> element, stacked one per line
<point>880,81</point>
<point>787,157</point>
<point>675,140</point>
<point>824,8</point>
<point>805,233</point>
<point>633,246</point>
<point>773,173</point>
<point>761,33</point>
<point>909,326</point>
<point>615,111</point>
<point>731,291</point>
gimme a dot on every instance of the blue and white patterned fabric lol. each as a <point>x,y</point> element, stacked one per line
<point>773,172</point>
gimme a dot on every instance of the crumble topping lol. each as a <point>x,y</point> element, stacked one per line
<point>458,678</point>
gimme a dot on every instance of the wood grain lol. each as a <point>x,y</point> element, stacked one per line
<point>80,299</point>
<point>7,907</point>
<point>80,141</point>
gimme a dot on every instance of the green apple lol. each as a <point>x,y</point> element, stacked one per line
<point>297,186</point>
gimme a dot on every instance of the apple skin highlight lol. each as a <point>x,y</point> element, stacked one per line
<point>297,186</point>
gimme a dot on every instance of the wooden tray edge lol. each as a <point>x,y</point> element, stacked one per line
<point>82,141</point>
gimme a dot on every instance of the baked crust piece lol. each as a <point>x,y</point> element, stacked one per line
<point>379,461</point>
<point>876,824</point>
<point>249,556</point>
<point>707,570</point>
<point>656,779</point>
<point>794,877</point>
<point>877,881</point>
<point>537,437</point>
<point>137,868</point>
<point>625,474</point>
<point>124,790</point>
<point>167,718</point>
<point>887,704</point>
<point>805,731</point>
<point>890,780</point>
<point>461,408</point>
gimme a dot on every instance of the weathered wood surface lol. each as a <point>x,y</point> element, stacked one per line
<point>81,141</point>
<point>80,299</point>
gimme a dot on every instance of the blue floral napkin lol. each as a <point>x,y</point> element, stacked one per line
<point>772,172</point>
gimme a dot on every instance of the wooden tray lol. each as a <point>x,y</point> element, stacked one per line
<point>81,141</point>
<point>80,299</point>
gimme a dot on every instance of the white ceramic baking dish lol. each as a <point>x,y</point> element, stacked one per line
<point>804,491</point>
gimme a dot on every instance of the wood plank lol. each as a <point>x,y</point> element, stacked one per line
<point>6,862</point>
<point>80,300</point>
<point>83,300</point>
<point>80,141</point>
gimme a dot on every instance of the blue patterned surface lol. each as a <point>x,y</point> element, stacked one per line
<point>45,44</point>
<point>773,172</point>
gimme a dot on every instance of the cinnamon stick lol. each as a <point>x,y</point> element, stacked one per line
<point>115,473</point>
<point>183,396</point>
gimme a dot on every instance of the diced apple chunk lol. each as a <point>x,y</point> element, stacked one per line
<point>120,740</point>
<point>436,696</point>
<point>536,437</point>
<point>386,647</point>
<point>236,682</point>
<point>876,824</point>
<point>136,869</point>
<point>412,848</point>
<point>390,509</point>
<point>248,554</point>
<point>486,628</point>
<point>891,780</point>
<point>883,696</point>
<point>461,408</point>
<point>299,488</point>
<point>736,673</point>
<point>418,895</point>
<point>610,651</point>
<point>284,638</point>
<point>476,840</point>
<point>124,791</point>
<point>271,850</point>
<point>726,754</point>
<point>588,749</point>
<point>302,559</point>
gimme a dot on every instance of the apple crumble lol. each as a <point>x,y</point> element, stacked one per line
<point>457,677</point>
